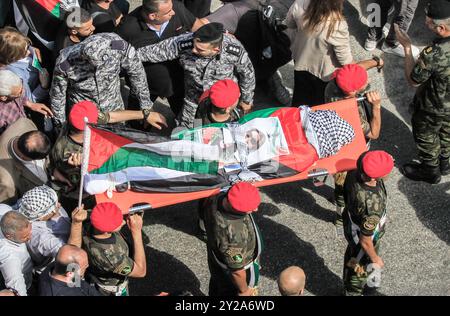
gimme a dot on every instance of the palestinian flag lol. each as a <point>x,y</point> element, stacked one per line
<point>148,163</point>
<point>52,6</point>
<point>120,157</point>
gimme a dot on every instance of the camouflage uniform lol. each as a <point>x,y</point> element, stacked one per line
<point>90,71</point>
<point>234,243</point>
<point>202,72</point>
<point>431,105</point>
<point>109,264</point>
<point>364,213</point>
<point>333,94</point>
<point>64,147</point>
<point>204,113</point>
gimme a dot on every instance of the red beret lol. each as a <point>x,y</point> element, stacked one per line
<point>351,78</point>
<point>79,111</point>
<point>106,217</point>
<point>377,164</point>
<point>244,197</point>
<point>224,93</point>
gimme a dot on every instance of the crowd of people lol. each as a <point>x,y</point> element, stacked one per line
<point>62,61</point>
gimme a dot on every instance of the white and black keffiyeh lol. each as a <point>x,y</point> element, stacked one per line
<point>332,131</point>
<point>38,202</point>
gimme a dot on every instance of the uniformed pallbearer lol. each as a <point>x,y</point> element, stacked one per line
<point>219,103</point>
<point>90,71</point>
<point>208,55</point>
<point>110,264</point>
<point>431,105</point>
<point>364,218</point>
<point>234,242</point>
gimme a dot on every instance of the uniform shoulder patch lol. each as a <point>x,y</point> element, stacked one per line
<point>119,45</point>
<point>427,50</point>
<point>235,254</point>
<point>185,44</point>
<point>64,66</point>
<point>371,222</point>
<point>126,270</point>
<point>234,50</point>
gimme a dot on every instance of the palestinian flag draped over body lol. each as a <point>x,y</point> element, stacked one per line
<point>270,143</point>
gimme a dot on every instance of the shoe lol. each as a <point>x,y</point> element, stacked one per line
<point>444,166</point>
<point>371,43</point>
<point>399,50</point>
<point>420,172</point>
<point>278,90</point>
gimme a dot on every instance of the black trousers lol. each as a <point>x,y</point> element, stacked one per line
<point>308,89</point>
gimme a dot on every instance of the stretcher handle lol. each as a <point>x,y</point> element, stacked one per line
<point>139,208</point>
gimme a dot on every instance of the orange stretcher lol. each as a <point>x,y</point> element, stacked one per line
<point>343,161</point>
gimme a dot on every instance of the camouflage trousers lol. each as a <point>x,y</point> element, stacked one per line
<point>339,180</point>
<point>432,136</point>
<point>355,273</point>
<point>220,282</point>
<point>186,116</point>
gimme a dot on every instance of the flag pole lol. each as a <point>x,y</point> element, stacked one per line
<point>85,158</point>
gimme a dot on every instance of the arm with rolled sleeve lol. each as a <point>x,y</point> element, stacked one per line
<point>168,49</point>
<point>246,76</point>
<point>58,95</point>
<point>11,270</point>
<point>340,40</point>
<point>138,79</point>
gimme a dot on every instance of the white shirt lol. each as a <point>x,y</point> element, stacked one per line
<point>37,167</point>
<point>16,265</point>
<point>47,238</point>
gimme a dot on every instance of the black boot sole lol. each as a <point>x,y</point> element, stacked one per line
<point>430,181</point>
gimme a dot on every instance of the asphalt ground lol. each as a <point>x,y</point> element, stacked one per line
<point>296,219</point>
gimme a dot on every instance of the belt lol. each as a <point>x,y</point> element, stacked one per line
<point>114,288</point>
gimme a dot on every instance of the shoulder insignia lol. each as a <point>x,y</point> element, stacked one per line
<point>119,45</point>
<point>235,254</point>
<point>185,44</point>
<point>234,50</point>
<point>126,270</point>
<point>65,65</point>
<point>371,222</point>
<point>427,50</point>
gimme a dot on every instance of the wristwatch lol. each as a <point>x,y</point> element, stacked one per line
<point>146,113</point>
<point>378,60</point>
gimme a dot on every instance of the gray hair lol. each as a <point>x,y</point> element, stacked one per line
<point>445,22</point>
<point>8,80</point>
<point>152,6</point>
<point>13,222</point>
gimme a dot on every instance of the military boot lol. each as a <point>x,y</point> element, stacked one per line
<point>421,172</point>
<point>444,165</point>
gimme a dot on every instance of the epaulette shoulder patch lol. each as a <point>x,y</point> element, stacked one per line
<point>234,50</point>
<point>185,44</point>
<point>119,45</point>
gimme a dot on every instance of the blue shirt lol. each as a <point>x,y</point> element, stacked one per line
<point>161,30</point>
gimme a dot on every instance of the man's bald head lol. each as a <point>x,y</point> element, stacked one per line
<point>292,281</point>
<point>70,255</point>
